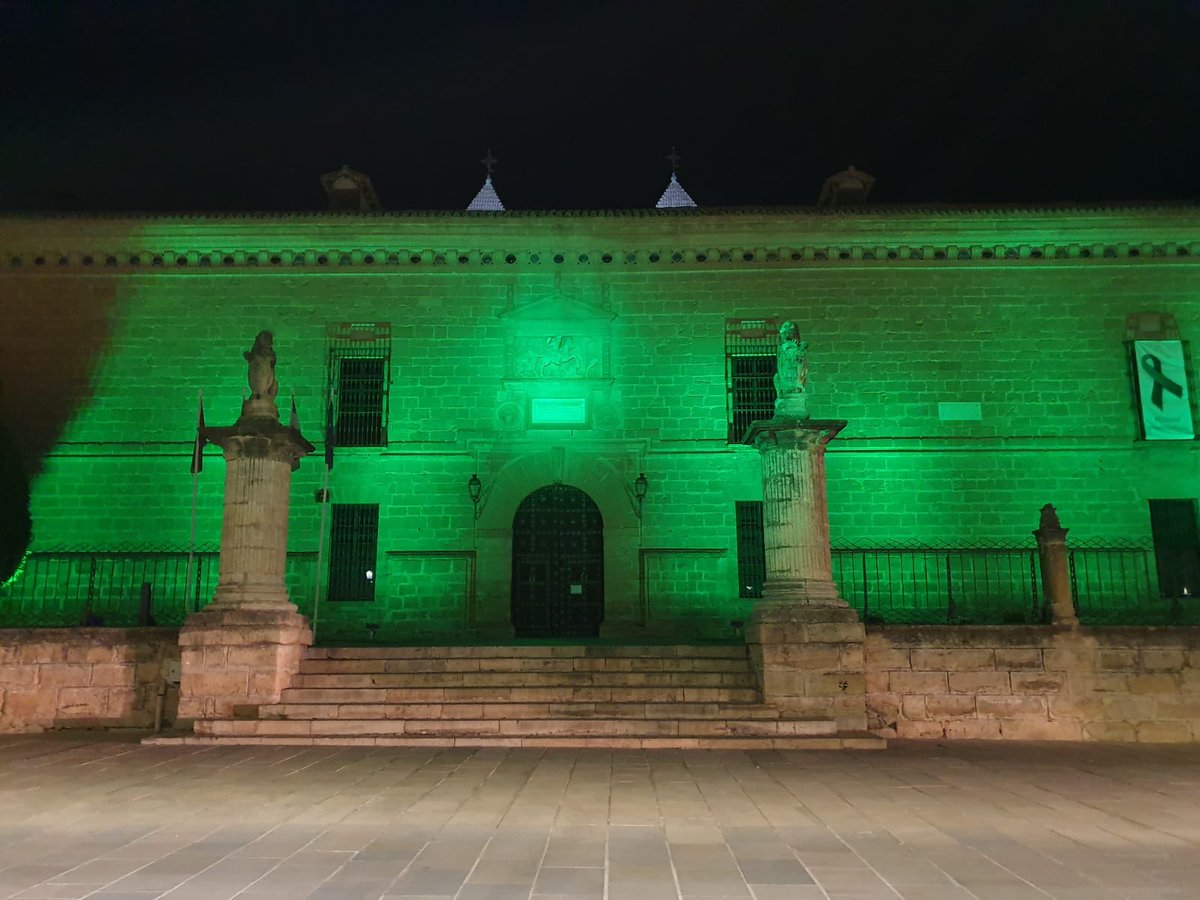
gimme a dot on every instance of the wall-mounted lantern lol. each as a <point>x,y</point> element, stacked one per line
<point>475,489</point>
<point>640,486</point>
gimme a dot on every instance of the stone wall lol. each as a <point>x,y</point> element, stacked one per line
<point>83,677</point>
<point>1106,684</point>
<point>1036,342</point>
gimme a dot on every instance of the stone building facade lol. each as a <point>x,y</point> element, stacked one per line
<point>538,416</point>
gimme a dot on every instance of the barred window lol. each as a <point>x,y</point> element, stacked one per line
<point>751,548</point>
<point>359,364</point>
<point>353,547</point>
<point>750,349</point>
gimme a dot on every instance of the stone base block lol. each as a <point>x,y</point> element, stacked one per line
<point>233,658</point>
<point>809,660</point>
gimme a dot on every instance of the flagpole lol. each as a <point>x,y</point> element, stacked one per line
<point>324,515</point>
<point>320,553</point>
<point>197,448</point>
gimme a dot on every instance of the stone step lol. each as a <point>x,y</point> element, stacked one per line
<point>594,727</point>
<point>844,741</point>
<point>526,679</point>
<point>297,711</point>
<point>522,694</point>
<point>522,664</point>
<point>682,651</point>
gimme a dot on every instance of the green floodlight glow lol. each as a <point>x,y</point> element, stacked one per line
<point>18,572</point>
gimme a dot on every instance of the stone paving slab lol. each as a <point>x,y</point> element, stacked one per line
<point>100,816</point>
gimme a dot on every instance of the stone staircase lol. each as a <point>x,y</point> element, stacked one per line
<point>678,696</point>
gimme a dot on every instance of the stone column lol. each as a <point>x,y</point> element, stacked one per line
<point>243,648</point>
<point>1056,570</point>
<point>805,641</point>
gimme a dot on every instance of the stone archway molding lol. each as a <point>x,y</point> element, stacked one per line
<point>595,476</point>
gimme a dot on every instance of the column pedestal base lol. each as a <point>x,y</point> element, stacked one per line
<point>809,660</point>
<point>235,657</point>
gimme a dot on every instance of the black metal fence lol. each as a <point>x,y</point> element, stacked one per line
<point>1113,583</point>
<point>941,585</point>
<point>114,588</point>
<point>1116,583</point>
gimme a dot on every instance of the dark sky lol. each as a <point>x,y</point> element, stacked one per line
<point>210,105</point>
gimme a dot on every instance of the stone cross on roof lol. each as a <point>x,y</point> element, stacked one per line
<point>487,200</point>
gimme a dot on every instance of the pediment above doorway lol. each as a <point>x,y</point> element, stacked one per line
<point>555,310</point>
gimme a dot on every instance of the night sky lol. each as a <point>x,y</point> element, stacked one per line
<point>213,105</point>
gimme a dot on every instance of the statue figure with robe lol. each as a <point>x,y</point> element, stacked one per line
<point>261,376</point>
<point>791,374</point>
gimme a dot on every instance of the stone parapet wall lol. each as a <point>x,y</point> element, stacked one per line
<point>83,677</point>
<point>1027,683</point>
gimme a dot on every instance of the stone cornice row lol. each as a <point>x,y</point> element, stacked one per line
<point>383,259</point>
<point>691,239</point>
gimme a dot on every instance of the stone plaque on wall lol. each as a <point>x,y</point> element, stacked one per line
<point>557,339</point>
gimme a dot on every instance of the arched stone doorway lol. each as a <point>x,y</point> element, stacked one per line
<point>557,564</point>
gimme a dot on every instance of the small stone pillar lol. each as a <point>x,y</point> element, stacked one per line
<point>805,641</point>
<point>1056,573</point>
<point>243,648</point>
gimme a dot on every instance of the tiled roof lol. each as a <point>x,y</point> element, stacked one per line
<point>674,197</point>
<point>487,200</point>
<point>1005,210</point>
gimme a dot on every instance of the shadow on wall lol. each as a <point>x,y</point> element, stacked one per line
<point>55,330</point>
<point>16,527</point>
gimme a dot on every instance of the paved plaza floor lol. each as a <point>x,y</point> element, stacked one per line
<point>96,816</point>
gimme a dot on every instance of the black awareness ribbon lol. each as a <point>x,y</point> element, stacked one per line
<point>1152,366</point>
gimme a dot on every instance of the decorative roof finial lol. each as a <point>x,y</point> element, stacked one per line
<point>674,197</point>
<point>487,200</point>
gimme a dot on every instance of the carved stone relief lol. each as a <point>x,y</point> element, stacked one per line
<point>557,356</point>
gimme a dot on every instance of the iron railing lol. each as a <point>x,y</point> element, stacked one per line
<point>940,585</point>
<point>1116,583</point>
<point>124,588</point>
<point>1113,583</point>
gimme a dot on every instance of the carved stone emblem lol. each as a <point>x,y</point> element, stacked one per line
<point>557,356</point>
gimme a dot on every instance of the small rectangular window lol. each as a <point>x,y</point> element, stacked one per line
<point>750,349</point>
<point>353,548</point>
<point>359,362</point>
<point>751,549</point>
<point>1176,547</point>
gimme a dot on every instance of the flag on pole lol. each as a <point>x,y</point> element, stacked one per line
<point>201,440</point>
<point>329,435</point>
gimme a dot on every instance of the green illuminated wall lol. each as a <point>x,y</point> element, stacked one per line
<point>1036,342</point>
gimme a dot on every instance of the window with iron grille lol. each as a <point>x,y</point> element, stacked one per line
<point>359,364</point>
<point>353,547</point>
<point>750,349</point>
<point>751,548</point>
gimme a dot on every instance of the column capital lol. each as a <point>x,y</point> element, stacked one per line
<point>796,434</point>
<point>260,439</point>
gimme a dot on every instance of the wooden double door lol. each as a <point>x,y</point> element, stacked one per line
<point>558,564</point>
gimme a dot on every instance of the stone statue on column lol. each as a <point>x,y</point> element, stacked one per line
<point>806,643</point>
<point>242,649</point>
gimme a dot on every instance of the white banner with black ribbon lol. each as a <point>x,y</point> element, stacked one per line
<point>1162,386</point>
